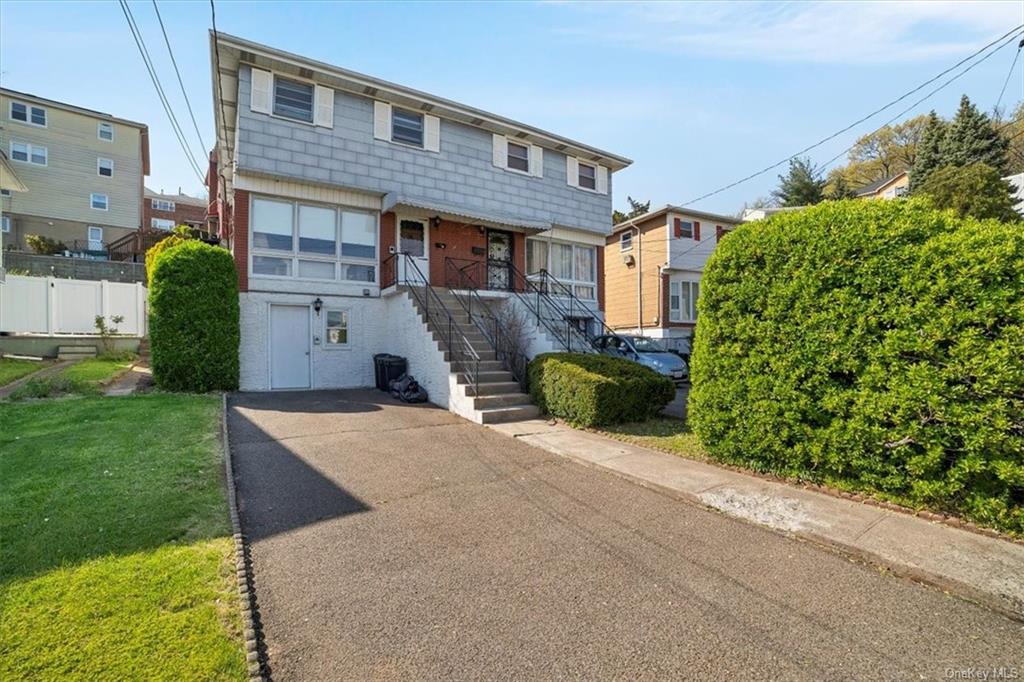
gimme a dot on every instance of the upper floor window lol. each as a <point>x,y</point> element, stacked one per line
<point>105,167</point>
<point>161,223</point>
<point>26,113</point>
<point>518,157</point>
<point>293,99</point>
<point>683,229</point>
<point>163,205</point>
<point>626,240</point>
<point>100,202</point>
<point>588,176</point>
<point>29,153</point>
<point>105,132</point>
<point>406,127</point>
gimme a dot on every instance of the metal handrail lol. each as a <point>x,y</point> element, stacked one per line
<point>573,299</point>
<point>558,323</point>
<point>464,358</point>
<point>464,289</point>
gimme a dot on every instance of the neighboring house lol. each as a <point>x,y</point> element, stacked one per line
<point>1017,181</point>
<point>750,214</point>
<point>83,169</point>
<point>166,211</point>
<point>653,268</point>
<point>9,182</point>
<point>891,187</point>
<point>336,190</point>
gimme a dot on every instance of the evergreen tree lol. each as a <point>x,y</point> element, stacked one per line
<point>928,156</point>
<point>801,186</point>
<point>838,188</point>
<point>636,208</point>
<point>977,191</point>
<point>972,139</point>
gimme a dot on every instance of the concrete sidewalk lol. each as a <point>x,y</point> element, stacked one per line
<point>987,570</point>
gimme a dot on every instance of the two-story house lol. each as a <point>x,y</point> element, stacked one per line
<point>342,196</point>
<point>166,211</point>
<point>653,267</point>
<point>83,171</point>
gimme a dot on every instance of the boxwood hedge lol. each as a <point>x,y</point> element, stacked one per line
<point>590,390</point>
<point>872,345</point>
<point>193,318</point>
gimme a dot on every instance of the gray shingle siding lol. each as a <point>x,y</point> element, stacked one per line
<point>462,173</point>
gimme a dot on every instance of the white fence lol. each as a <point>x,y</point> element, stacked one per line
<point>48,305</point>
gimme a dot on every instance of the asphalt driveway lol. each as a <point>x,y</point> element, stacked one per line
<point>394,541</point>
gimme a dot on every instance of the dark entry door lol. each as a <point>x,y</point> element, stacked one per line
<point>499,260</point>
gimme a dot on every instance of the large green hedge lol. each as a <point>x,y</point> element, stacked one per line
<point>873,345</point>
<point>193,318</point>
<point>590,390</point>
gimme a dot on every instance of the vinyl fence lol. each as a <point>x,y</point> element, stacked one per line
<point>48,305</point>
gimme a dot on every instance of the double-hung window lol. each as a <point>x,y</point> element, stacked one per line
<point>5,223</point>
<point>626,240</point>
<point>105,132</point>
<point>406,127</point>
<point>98,201</point>
<point>682,301</point>
<point>293,99</point>
<point>588,176</point>
<point>313,242</point>
<point>573,265</point>
<point>105,167</point>
<point>163,205</point>
<point>26,113</point>
<point>29,153</point>
<point>518,157</point>
<point>336,326</point>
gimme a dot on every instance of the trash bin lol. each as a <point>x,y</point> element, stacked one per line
<point>387,368</point>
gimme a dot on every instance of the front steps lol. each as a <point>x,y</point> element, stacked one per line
<point>75,352</point>
<point>497,396</point>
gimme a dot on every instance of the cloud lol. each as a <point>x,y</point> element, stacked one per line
<point>818,32</point>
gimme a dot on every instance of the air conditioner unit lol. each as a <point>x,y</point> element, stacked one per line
<point>627,258</point>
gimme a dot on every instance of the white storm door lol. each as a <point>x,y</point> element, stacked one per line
<point>289,346</point>
<point>413,239</point>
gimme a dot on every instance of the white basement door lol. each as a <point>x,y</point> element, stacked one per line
<point>289,346</point>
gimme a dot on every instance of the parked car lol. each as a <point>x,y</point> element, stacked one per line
<point>647,352</point>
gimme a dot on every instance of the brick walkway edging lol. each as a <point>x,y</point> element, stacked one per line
<point>243,573</point>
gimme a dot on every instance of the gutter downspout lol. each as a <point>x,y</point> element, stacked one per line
<point>639,281</point>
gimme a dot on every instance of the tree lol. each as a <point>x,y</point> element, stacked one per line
<point>928,158</point>
<point>636,208</point>
<point>44,245</point>
<point>977,191</point>
<point>801,186</point>
<point>1013,130</point>
<point>885,152</point>
<point>838,188</point>
<point>972,139</point>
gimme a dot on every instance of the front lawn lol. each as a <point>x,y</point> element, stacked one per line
<point>98,370</point>
<point>663,433</point>
<point>86,377</point>
<point>116,558</point>
<point>11,369</point>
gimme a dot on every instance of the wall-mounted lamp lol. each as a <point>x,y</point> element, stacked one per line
<point>318,305</point>
<point>481,229</point>
<point>435,221</point>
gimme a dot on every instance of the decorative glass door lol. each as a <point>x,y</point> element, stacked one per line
<point>412,240</point>
<point>499,260</point>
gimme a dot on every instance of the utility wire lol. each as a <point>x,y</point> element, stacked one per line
<point>1016,56</point>
<point>220,97</point>
<point>181,84</point>
<point>140,44</point>
<point>859,121</point>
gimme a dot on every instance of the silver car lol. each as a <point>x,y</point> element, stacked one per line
<point>647,352</point>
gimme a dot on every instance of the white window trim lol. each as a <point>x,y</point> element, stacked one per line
<point>88,235</point>
<point>5,224</point>
<point>156,207</point>
<point>106,201</point>
<point>534,156</point>
<point>571,282</point>
<point>28,112</point>
<point>579,175</point>
<point>677,314</point>
<point>626,236</point>
<point>99,163</point>
<point>529,161</point>
<point>323,100</point>
<point>391,128</point>
<point>153,223</point>
<point>572,175</point>
<point>384,128</point>
<point>295,256</point>
<point>30,148</point>
<point>99,127</point>
<point>327,345</point>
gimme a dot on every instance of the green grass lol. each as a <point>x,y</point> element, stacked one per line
<point>663,433</point>
<point>11,369</point>
<point>116,559</point>
<point>82,378</point>
<point>97,370</point>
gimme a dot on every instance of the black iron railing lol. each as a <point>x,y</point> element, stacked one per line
<point>561,318</point>
<point>461,282</point>
<point>401,269</point>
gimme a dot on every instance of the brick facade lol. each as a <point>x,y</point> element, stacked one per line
<point>240,237</point>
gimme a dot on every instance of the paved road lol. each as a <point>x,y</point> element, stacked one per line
<point>394,541</point>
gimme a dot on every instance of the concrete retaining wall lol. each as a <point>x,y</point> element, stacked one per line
<point>74,268</point>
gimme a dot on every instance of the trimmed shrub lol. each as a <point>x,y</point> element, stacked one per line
<point>590,390</point>
<point>871,345</point>
<point>193,318</point>
<point>154,251</point>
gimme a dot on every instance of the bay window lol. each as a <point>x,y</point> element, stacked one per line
<point>573,265</point>
<point>313,241</point>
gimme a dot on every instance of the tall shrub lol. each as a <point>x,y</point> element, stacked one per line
<point>193,318</point>
<point>875,345</point>
<point>177,235</point>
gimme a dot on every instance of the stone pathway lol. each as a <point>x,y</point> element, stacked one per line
<point>138,379</point>
<point>6,391</point>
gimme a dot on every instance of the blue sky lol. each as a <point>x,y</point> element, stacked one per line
<point>697,94</point>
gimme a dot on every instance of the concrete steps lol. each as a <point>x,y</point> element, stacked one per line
<point>75,352</point>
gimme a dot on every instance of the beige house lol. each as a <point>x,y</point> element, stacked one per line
<point>887,188</point>
<point>653,265</point>
<point>83,171</point>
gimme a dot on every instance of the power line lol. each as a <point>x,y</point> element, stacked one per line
<point>181,84</point>
<point>220,95</point>
<point>859,121</point>
<point>1016,56</point>
<point>140,44</point>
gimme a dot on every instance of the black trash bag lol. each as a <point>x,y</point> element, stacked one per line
<point>406,389</point>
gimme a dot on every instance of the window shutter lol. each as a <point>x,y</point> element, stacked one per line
<point>678,227</point>
<point>324,113</point>
<point>696,230</point>
<point>382,121</point>
<point>602,179</point>
<point>262,83</point>
<point>572,171</point>
<point>536,161</point>
<point>718,233</point>
<point>432,134</point>
<point>499,150</point>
